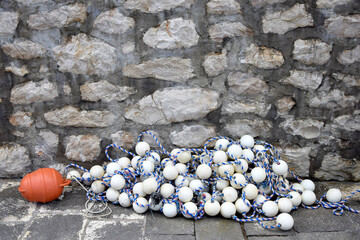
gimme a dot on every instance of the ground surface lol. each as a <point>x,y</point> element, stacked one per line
<point>65,219</point>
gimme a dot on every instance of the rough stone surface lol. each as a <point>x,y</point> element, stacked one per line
<point>59,17</point>
<point>16,70</point>
<point>334,167</point>
<point>85,55</point>
<point>156,224</point>
<point>349,80</point>
<point>265,2</point>
<point>284,21</point>
<point>30,92</point>
<point>113,22</point>
<point>105,91</point>
<point>128,47</point>
<point>8,22</point>
<point>31,2</point>
<point>311,51</point>
<point>46,148</point>
<point>82,147</point>
<point>170,69</point>
<point>173,105</point>
<point>246,83</point>
<point>215,228</point>
<point>215,63</point>
<point>347,122</point>
<point>304,80</point>
<point>307,128</point>
<point>24,49</point>
<point>153,6</point>
<point>71,116</point>
<point>14,160</point>
<point>335,100</point>
<point>255,128</point>
<point>331,3</point>
<point>174,33</point>
<point>257,106</point>
<point>222,30</point>
<point>284,105</point>
<point>123,139</point>
<point>131,229</point>
<point>343,26</point>
<point>263,57</point>
<point>21,119</point>
<point>350,56</point>
<point>67,89</point>
<point>192,136</point>
<point>223,7</point>
<point>298,159</point>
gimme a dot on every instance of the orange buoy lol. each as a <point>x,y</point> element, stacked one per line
<point>43,185</point>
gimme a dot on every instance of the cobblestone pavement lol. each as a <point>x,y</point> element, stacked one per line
<point>65,219</point>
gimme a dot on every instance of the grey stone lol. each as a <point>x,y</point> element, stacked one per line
<point>82,147</point>
<point>335,100</point>
<point>255,105</point>
<point>263,57</point>
<point>255,229</point>
<point>283,21</point>
<point>265,2</point>
<point>169,237</point>
<point>156,223</point>
<point>105,91</point>
<point>110,229</point>
<point>170,69</point>
<point>246,83</point>
<point>298,159</point>
<point>304,80</point>
<point>192,136</point>
<point>223,7</point>
<point>16,209</point>
<point>239,127</point>
<point>154,6</point>
<point>113,22</point>
<point>71,116</point>
<point>55,226</point>
<point>215,228</point>
<point>59,17</point>
<point>221,30</point>
<point>128,47</point>
<point>171,34</point>
<point>32,2</point>
<point>123,139</point>
<point>173,105</point>
<point>85,55</point>
<point>311,51</point>
<point>47,145</point>
<point>355,234</point>
<point>215,63</point>
<point>11,230</point>
<point>349,56</point>
<point>330,3</point>
<point>272,238</point>
<point>343,26</point>
<point>349,80</point>
<point>24,49</point>
<point>21,119</point>
<point>67,89</point>
<point>321,220</point>
<point>307,128</point>
<point>30,92</point>
<point>8,22</point>
<point>14,160</point>
<point>16,70</point>
<point>334,167</point>
<point>284,105</point>
<point>348,122</point>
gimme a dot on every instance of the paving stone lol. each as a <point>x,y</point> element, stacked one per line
<point>156,223</point>
<point>255,229</point>
<point>329,235</point>
<point>322,220</point>
<point>113,229</point>
<point>55,227</point>
<point>169,237</point>
<point>217,228</point>
<point>272,238</point>
<point>11,231</point>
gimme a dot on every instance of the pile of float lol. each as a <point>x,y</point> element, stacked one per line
<point>245,180</point>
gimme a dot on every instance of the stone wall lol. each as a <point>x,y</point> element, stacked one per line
<point>77,75</point>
